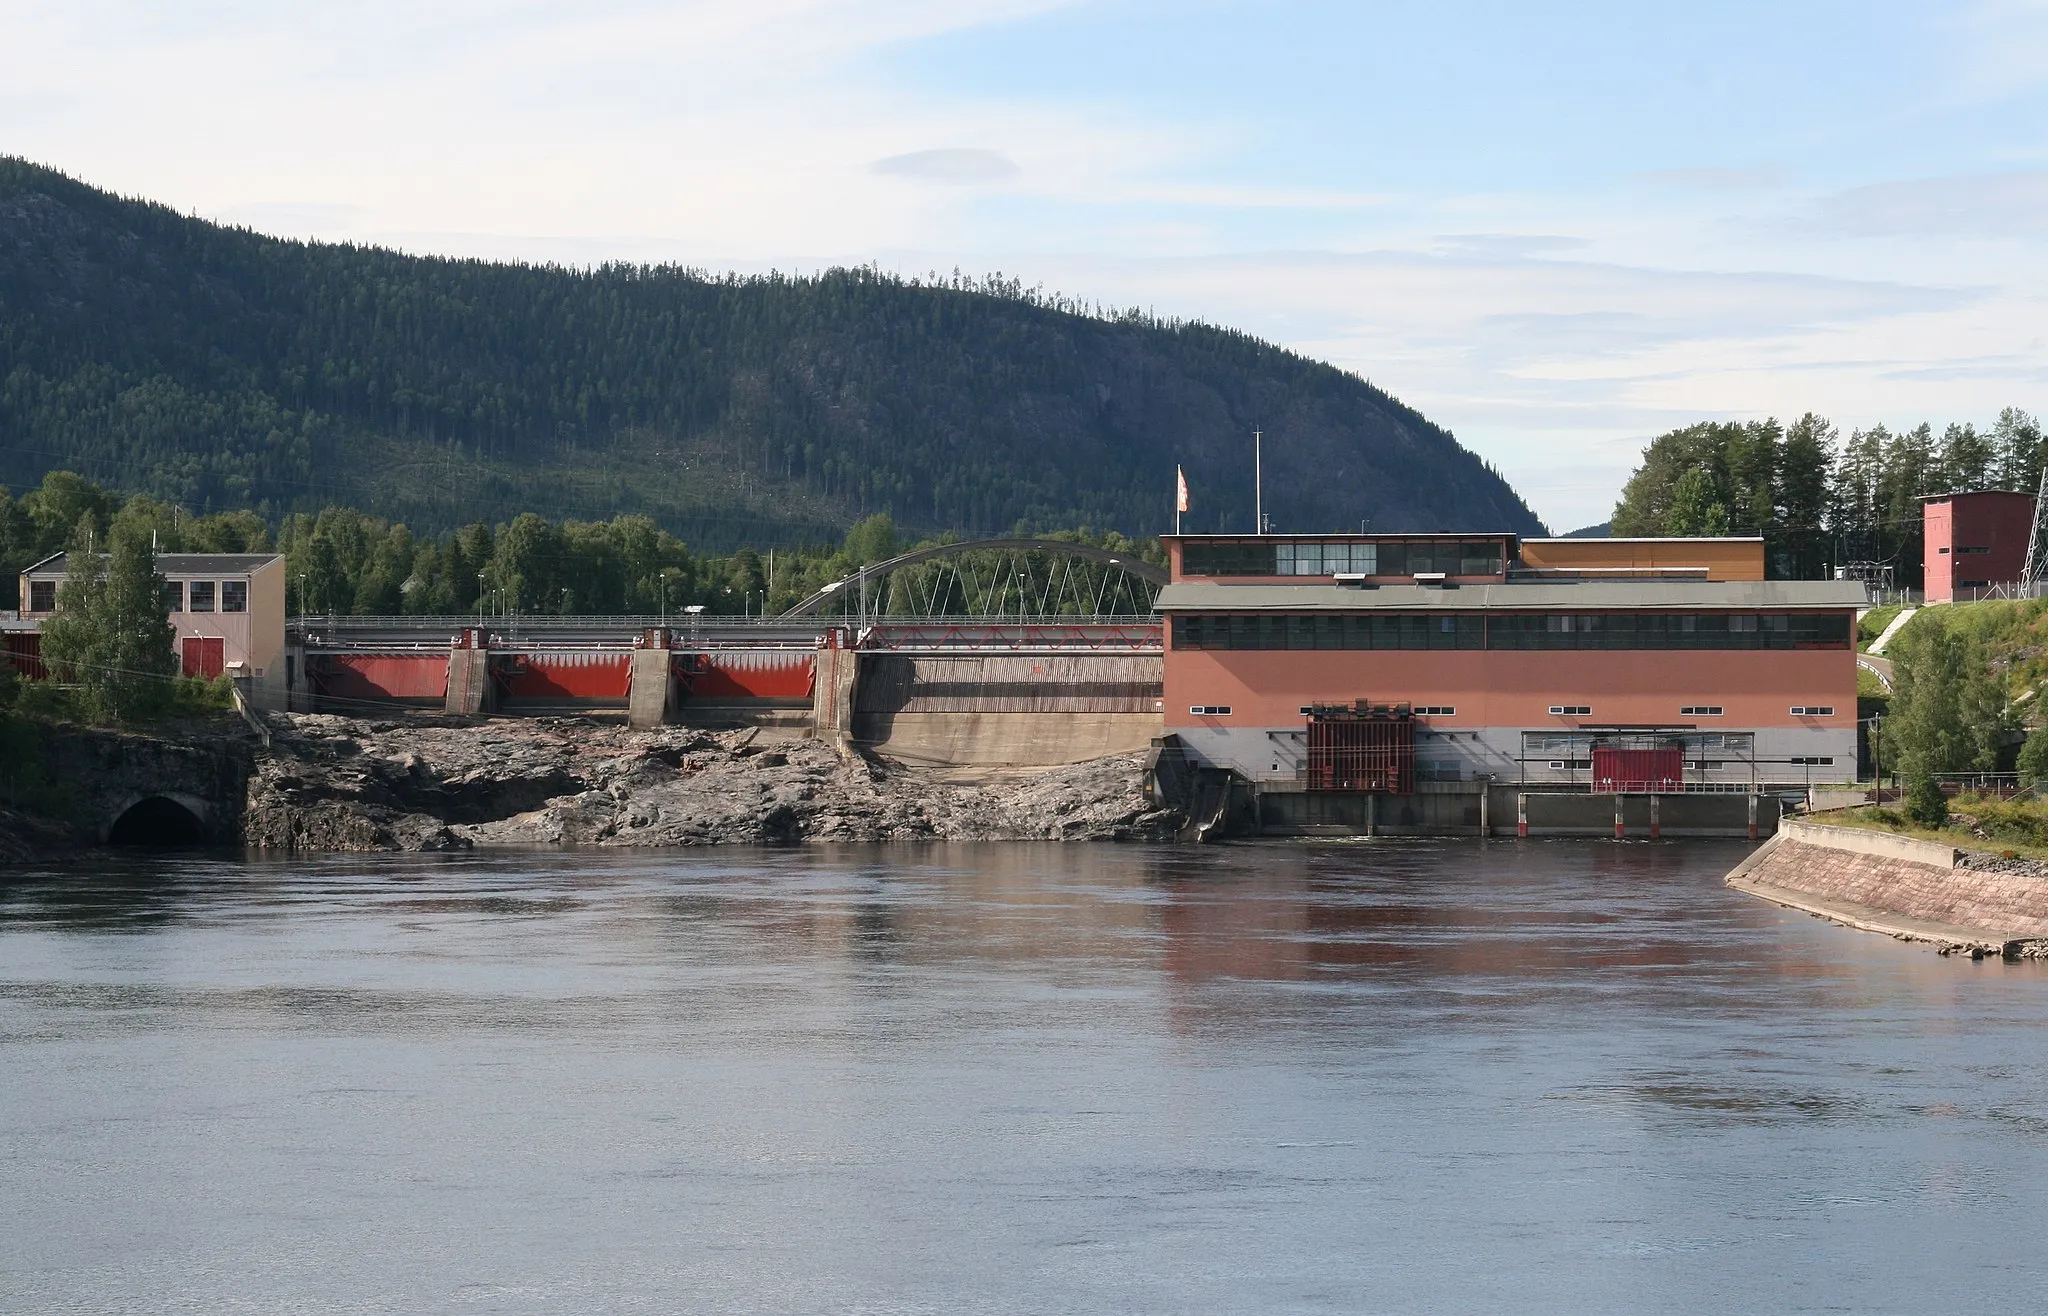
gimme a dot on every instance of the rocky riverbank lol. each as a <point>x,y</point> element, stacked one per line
<point>333,783</point>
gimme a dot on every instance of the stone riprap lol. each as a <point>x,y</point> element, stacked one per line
<point>332,783</point>
<point>1905,888</point>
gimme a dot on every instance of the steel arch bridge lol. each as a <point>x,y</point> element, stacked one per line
<point>994,578</point>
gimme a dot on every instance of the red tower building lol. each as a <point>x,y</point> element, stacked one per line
<point>1975,541</point>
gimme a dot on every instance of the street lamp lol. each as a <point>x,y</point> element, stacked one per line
<point>479,600</point>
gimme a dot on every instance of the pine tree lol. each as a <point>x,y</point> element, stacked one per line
<point>1967,459</point>
<point>2017,436</point>
<point>1802,495</point>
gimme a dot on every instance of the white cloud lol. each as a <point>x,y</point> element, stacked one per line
<point>2000,205</point>
<point>951,165</point>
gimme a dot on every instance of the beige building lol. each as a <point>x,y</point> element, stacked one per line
<point>228,609</point>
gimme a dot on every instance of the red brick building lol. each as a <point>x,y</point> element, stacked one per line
<point>1975,542</point>
<point>1490,658</point>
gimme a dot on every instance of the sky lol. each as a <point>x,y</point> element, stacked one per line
<point>1556,230</point>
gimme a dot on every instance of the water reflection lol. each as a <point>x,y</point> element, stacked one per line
<point>1437,1075</point>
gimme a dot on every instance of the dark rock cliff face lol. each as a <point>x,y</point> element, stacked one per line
<point>340,784</point>
<point>329,783</point>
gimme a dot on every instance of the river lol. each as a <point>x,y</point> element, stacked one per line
<point>1385,1076</point>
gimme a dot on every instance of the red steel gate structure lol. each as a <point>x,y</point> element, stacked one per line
<point>1366,748</point>
<point>1622,769</point>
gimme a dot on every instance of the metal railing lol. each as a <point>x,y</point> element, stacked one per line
<point>541,621</point>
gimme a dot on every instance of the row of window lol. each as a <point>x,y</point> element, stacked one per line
<point>1478,557</point>
<point>1514,631</point>
<point>199,595</point>
<point>1555,710</point>
<point>1542,744</point>
<point>179,596</point>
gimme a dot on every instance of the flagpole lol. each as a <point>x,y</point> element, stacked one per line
<point>1258,486</point>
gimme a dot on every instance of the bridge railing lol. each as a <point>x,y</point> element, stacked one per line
<point>535,622</point>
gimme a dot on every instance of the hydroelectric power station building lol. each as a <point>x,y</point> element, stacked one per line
<point>1370,663</point>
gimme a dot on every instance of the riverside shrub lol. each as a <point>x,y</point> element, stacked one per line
<point>1926,805</point>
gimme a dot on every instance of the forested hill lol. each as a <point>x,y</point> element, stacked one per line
<point>218,367</point>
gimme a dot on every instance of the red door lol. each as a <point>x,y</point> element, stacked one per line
<point>205,656</point>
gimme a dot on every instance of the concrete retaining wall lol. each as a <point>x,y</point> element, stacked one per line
<point>1896,885</point>
<point>1027,740</point>
<point>1881,845</point>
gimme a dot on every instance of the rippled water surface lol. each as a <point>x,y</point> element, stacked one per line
<point>1547,1077</point>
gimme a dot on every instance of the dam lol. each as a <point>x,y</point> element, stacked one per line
<point>1280,684</point>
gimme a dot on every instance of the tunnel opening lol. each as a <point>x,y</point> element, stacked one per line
<point>157,823</point>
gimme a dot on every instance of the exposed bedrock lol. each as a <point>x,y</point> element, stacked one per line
<point>332,783</point>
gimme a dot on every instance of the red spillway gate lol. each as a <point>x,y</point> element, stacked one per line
<point>379,678</point>
<point>732,675</point>
<point>1368,748</point>
<point>1619,771</point>
<point>565,677</point>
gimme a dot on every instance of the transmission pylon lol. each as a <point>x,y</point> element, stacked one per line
<point>2037,541</point>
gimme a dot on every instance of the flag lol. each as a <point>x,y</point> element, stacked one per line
<point>1181,503</point>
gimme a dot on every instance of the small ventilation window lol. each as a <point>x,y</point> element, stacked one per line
<point>1570,710</point>
<point>1210,710</point>
<point>1813,710</point>
<point>1819,761</point>
<point>1700,710</point>
<point>1435,710</point>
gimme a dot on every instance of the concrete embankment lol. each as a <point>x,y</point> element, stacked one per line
<point>1905,888</point>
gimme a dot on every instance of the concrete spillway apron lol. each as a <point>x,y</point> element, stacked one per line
<point>1867,918</point>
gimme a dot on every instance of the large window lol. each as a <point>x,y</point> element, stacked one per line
<point>200,596</point>
<point>234,596</point>
<point>1327,559</point>
<point>1227,559</point>
<point>1331,631</point>
<point>1391,630</point>
<point>1452,557</point>
<point>42,596</point>
<point>1629,630</point>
